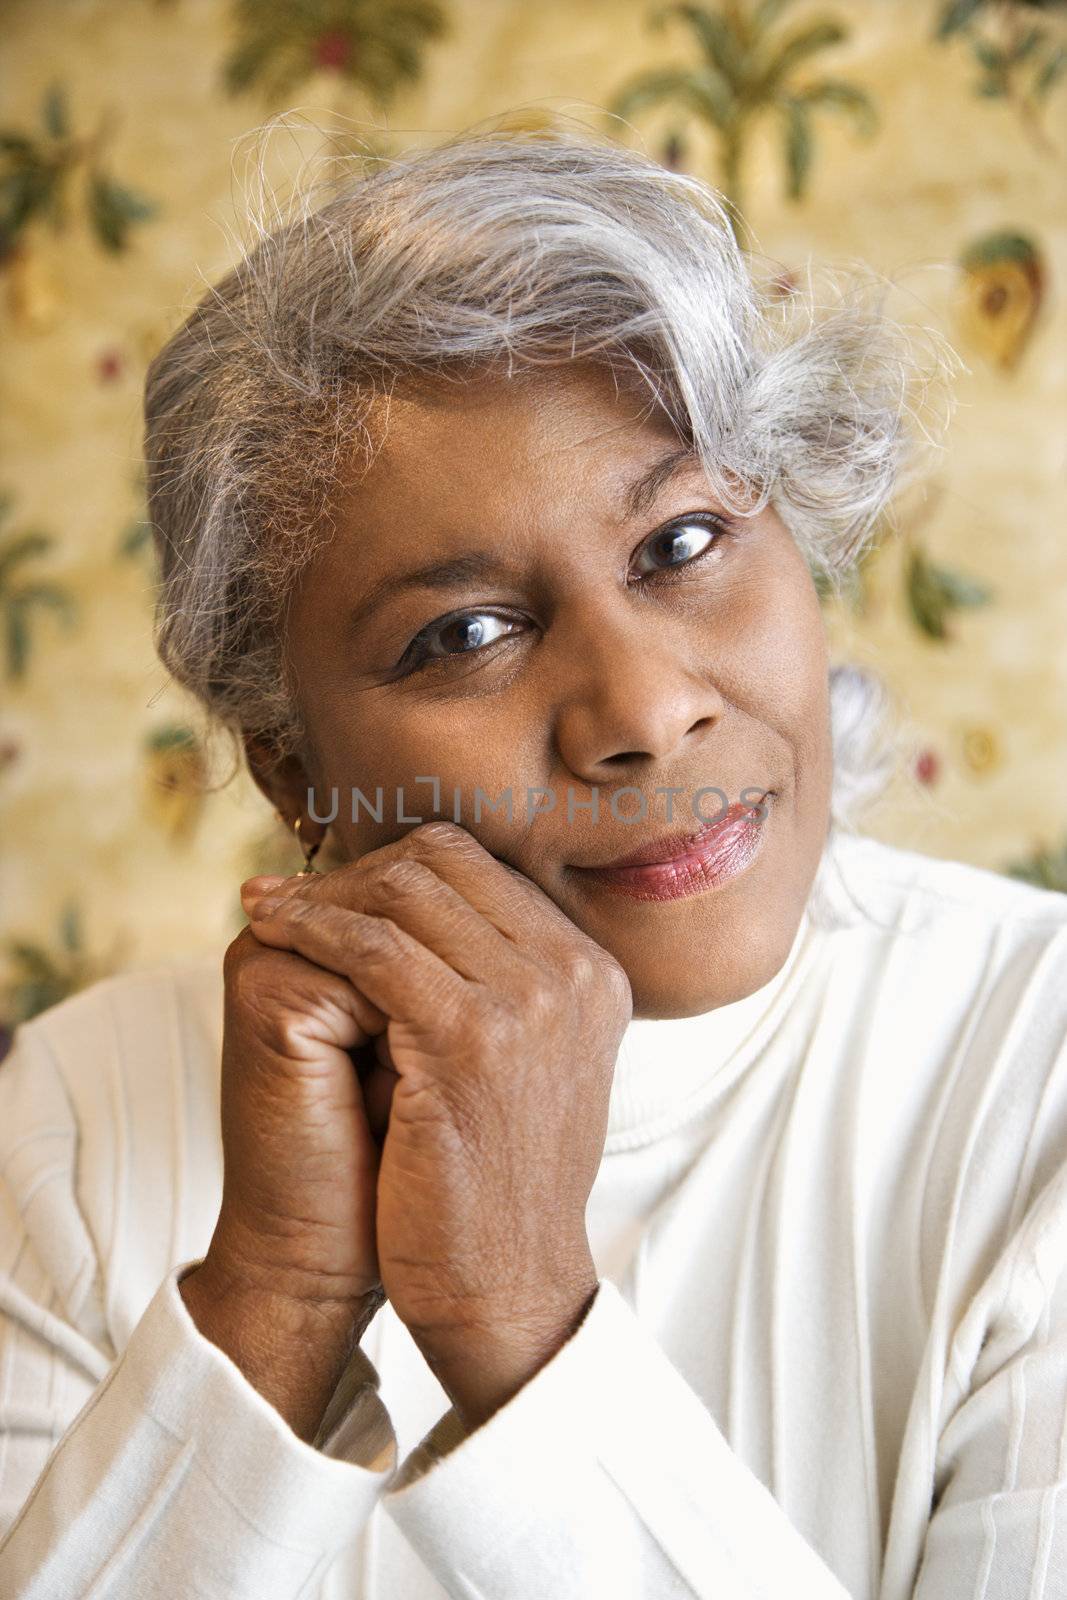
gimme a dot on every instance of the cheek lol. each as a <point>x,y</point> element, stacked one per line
<point>786,673</point>
<point>461,747</point>
<point>802,699</point>
<point>779,642</point>
<point>801,610</point>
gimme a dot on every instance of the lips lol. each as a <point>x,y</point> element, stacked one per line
<point>680,846</point>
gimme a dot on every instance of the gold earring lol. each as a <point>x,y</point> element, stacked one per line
<point>310,850</point>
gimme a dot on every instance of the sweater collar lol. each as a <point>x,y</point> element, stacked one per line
<point>669,1070</point>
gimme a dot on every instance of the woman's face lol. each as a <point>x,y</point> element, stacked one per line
<point>559,645</point>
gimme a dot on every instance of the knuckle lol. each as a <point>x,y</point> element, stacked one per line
<point>275,1024</point>
<point>614,988</point>
<point>605,970</point>
<point>374,936</point>
<point>543,1005</point>
<point>597,982</point>
<point>251,978</point>
<point>490,1023</point>
<point>440,834</point>
<point>618,980</point>
<point>396,875</point>
<point>237,953</point>
<point>282,1029</point>
<point>241,961</point>
<point>582,969</point>
<point>537,996</point>
<point>296,907</point>
<point>267,1003</point>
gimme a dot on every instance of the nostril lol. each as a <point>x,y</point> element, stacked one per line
<point>627,758</point>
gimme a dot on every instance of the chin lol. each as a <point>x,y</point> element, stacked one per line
<point>661,1000</point>
<point>706,968</point>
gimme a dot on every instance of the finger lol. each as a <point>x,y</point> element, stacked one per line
<point>263,883</point>
<point>412,895</point>
<point>253,889</point>
<point>336,1010</point>
<point>397,974</point>
<point>516,907</point>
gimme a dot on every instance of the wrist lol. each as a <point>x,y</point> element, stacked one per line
<point>291,1351</point>
<point>482,1367</point>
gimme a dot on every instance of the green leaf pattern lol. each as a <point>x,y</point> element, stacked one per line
<point>722,77</point>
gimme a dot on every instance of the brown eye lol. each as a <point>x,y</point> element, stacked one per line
<point>461,634</point>
<point>680,542</point>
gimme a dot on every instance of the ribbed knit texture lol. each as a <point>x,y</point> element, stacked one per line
<point>827,1356</point>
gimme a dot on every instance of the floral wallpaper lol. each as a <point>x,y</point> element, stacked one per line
<point>925,137</point>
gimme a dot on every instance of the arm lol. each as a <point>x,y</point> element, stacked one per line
<point>575,1460</point>
<point>160,1470</point>
<point>603,1475</point>
<point>590,1467</point>
<point>999,1527</point>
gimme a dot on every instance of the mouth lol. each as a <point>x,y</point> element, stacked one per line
<point>687,863</point>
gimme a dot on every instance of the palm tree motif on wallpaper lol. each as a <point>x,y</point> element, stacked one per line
<point>932,592</point>
<point>375,45</point>
<point>23,595</point>
<point>1020,47</point>
<point>40,172</point>
<point>746,70</point>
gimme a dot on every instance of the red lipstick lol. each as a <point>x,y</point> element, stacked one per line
<point>683,864</point>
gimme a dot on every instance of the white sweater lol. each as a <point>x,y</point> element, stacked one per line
<point>827,1356</point>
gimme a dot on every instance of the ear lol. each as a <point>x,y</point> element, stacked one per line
<point>285,781</point>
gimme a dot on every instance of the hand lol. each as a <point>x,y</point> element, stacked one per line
<point>504,1023</point>
<point>290,1278</point>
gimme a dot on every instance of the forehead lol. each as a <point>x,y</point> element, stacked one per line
<point>496,437</point>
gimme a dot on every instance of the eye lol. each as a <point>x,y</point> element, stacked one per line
<point>682,540</point>
<point>463,633</point>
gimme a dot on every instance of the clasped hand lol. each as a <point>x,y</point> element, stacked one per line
<point>451,1170</point>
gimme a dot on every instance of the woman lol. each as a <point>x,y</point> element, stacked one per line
<point>622,1178</point>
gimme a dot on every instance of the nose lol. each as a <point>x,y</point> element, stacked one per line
<point>632,697</point>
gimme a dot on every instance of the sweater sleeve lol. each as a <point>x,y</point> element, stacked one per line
<point>157,1470</point>
<point>998,1527</point>
<point>647,1500</point>
<point>604,1475</point>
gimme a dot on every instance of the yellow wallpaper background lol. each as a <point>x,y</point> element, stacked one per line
<point>109,854</point>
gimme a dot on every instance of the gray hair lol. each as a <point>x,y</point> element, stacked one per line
<point>524,251</point>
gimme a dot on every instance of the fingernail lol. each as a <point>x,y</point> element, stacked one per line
<point>253,887</point>
<point>266,907</point>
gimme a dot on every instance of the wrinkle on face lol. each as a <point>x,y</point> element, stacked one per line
<point>722,671</point>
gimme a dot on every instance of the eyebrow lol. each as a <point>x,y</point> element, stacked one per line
<point>468,565</point>
<point>643,491</point>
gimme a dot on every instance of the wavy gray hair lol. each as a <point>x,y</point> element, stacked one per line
<point>503,249</point>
